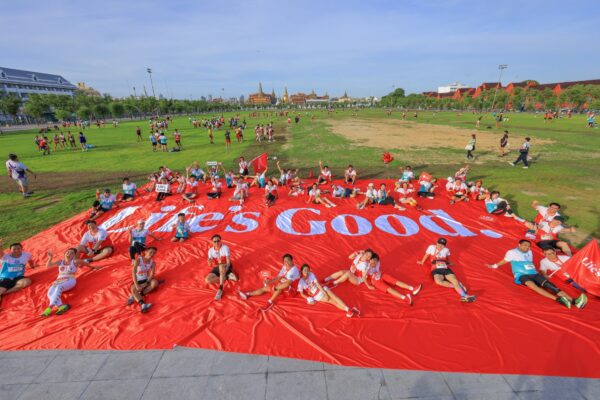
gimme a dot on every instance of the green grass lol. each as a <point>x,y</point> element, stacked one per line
<point>567,170</point>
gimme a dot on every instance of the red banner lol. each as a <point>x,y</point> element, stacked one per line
<point>508,329</point>
<point>584,268</point>
<point>259,164</point>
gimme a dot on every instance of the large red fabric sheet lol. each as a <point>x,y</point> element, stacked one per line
<point>509,329</point>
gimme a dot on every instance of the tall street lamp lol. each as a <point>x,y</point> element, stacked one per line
<point>501,67</point>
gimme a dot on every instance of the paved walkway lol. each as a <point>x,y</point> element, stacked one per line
<point>196,374</point>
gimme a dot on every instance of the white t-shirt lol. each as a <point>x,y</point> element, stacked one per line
<point>191,186</point>
<point>291,274</point>
<point>129,188</point>
<point>518,255</point>
<point>439,258</point>
<point>550,266</point>
<point>315,193</point>
<point>543,211</point>
<point>308,284</point>
<point>371,193</point>
<point>326,173</point>
<point>219,256</point>
<point>361,266</point>
<point>107,201</point>
<point>16,169</point>
<point>270,188</point>
<point>92,240</point>
<point>351,172</point>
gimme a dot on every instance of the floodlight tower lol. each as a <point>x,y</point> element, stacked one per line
<point>501,67</point>
<point>149,70</point>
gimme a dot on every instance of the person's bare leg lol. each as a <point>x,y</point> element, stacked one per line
<point>259,292</point>
<point>150,287</point>
<point>439,279</point>
<point>342,278</point>
<point>137,295</point>
<point>396,294</point>
<point>539,290</point>
<point>211,278</point>
<point>332,298</point>
<point>103,254</point>
<point>564,247</point>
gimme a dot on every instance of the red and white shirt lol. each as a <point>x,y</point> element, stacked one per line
<point>438,257</point>
<point>309,285</point>
<point>458,188</point>
<point>543,215</point>
<point>91,240</point>
<point>289,274</point>
<point>217,257</point>
<point>546,232</point>
<point>550,266</point>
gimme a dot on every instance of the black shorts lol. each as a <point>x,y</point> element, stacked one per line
<point>442,271</point>
<point>9,283</point>
<point>96,252</point>
<point>215,271</point>
<point>142,282</point>
<point>104,209</point>
<point>245,172</point>
<point>127,196</point>
<point>540,280</point>
<point>548,244</point>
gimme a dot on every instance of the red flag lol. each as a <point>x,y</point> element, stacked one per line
<point>584,268</point>
<point>260,163</point>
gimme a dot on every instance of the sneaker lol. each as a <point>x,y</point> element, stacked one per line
<point>513,164</point>
<point>130,300</point>
<point>417,290</point>
<point>145,307</point>
<point>219,294</point>
<point>468,298</point>
<point>351,313</point>
<point>63,309</point>
<point>242,295</point>
<point>525,167</point>
<point>356,311</point>
<point>47,312</point>
<point>408,298</point>
<point>451,201</point>
<point>232,277</point>
<point>581,301</point>
<point>564,301</point>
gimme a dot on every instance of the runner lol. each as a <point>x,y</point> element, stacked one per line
<point>358,271</point>
<point>380,281</point>
<point>227,140</point>
<point>523,269</point>
<point>314,197</point>
<point>137,239</point>
<point>18,172</point>
<point>144,270</point>
<point>162,140</point>
<point>552,263</point>
<point>219,258</point>
<point>177,137</point>
<point>138,132</point>
<point>95,243</point>
<point>12,273</point>
<point>350,175</point>
<point>310,288</point>
<point>190,187</point>
<point>129,190</point>
<point>153,141</point>
<point>282,282</point>
<point>325,175</point>
<point>67,268</point>
<point>371,196</point>
<point>71,139</point>
<point>271,193</point>
<point>82,142</point>
<point>439,256</point>
<point>523,154</point>
<point>44,146</point>
<point>182,229</point>
<point>503,144</point>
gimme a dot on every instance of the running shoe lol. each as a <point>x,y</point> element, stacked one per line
<point>417,290</point>
<point>564,301</point>
<point>232,277</point>
<point>408,298</point>
<point>145,307</point>
<point>351,313</point>
<point>219,294</point>
<point>243,295</point>
<point>525,167</point>
<point>513,164</point>
<point>581,301</point>
<point>356,310</point>
<point>63,309</point>
<point>47,312</point>
<point>130,300</point>
<point>468,298</point>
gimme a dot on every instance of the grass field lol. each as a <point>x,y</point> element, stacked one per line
<point>566,165</point>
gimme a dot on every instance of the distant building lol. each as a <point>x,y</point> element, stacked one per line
<point>312,98</point>
<point>87,90</point>
<point>286,97</point>
<point>24,83</point>
<point>261,98</point>
<point>450,88</point>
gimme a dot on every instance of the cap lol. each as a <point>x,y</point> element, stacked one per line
<point>442,241</point>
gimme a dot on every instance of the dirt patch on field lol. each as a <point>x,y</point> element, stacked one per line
<point>396,134</point>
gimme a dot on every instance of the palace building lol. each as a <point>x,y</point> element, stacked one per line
<point>261,98</point>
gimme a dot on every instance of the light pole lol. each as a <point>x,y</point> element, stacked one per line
<point>149,70</point>
<point>501,67</point>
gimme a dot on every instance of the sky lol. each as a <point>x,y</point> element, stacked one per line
<point>367,48</point>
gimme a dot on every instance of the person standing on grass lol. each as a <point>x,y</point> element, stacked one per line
<point>177,137</point>
<point>523,153</point>
<point>18,172</point>
<point>71,139</point>
<point>82,142</point>
<point>471,147</point>
<point>503,144</point>
<point>138,132</point>
<point>227,140</point>
<point>162,140</point>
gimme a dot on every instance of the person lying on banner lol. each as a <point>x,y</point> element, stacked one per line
<point>547,235</point>
<point>552,265</point>
<point>12,273</point>
<point>380,281</point>
<point>95,243</point>
<point>282,282</point>
<point>439,256</point>
<point>144,270</point>
<point>219,258</point>
<point>310,289</point>
<point>524,272</point>
<point>496,205</point>
<point>357,273</point>
<point>67,268</point>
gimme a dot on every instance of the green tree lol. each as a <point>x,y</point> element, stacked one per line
<point>9,103</point>
<point>84,112</point>
<point>62,115</point>
<point>37,106</point>
<point>101,110</point>
<point>117,109</point>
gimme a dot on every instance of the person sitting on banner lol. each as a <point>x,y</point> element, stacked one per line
<point>427,186</point>
<point>166,173</point>
<point>260,180</point>
<point>197,172</point>
<point>216,189</point>
<point>129,190</point>
<point>12,273</point>
<point>340,192</point>
<point>547,235</point>
<point>163,188</point>
<point>524,272</point>
<point>137,239</point>
<point>477,191</point>
<point>350,175</point>
<point>106,200</point>
<point>310,289</point>
<point>371,195</point>
<point>95,243</point>
<point>153,179</point>
<point>496,205</point>
<point>315,197</point>
<point>552,263</point>
<point>296,191</point>
<point>243,166</point>
<point>380,281</point>
<point>357,273</point>
<point>462,173</point>
<point>182,229</point>
<point>282,282</point>
<point>406,193</point>
<point>229,179</point>
<point>439,256</point>
<point>67,268</point>
<point>406,174</point>
<point>240,192</point>
<point>545,213</point>
<point>325,175</point>
<point>144,271</point>
<point>219,258</point>
<point>270,193</point>
<point>287,178</point>
<point>383,198</point>
<point>458,191</point>
<point>191,187</point>
<point>181,182</point>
